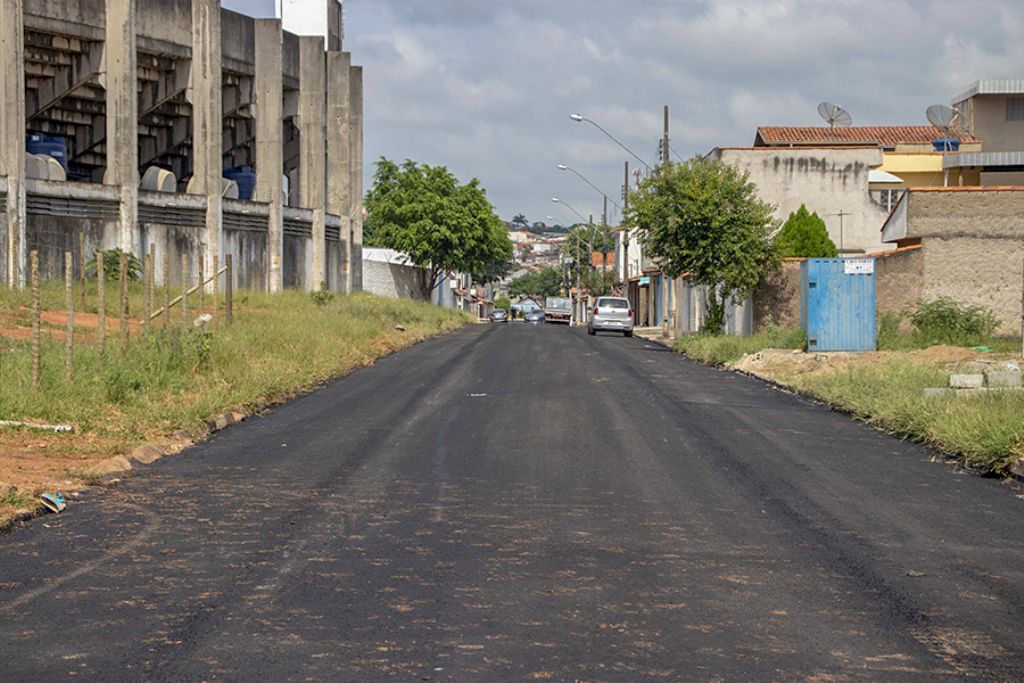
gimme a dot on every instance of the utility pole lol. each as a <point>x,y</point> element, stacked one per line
<point>664,141</point>
<point>842,249</point>
<point>625,231</point>
<point>604,231</point>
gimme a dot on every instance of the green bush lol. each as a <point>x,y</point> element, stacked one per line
<point>321,297</point>
<point>889,337</point>
<point>112,266</point>
<point>805,234</point>
<point>719,349</point>
<point>946,321</point>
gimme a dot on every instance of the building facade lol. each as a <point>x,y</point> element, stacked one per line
<point>176,128</point>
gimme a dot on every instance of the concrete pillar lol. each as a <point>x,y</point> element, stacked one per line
<point>205,96</point>
<point>122,114</point>
<point>12,140</point>
<point>339,172</point>
<point>269,111</point>
<point>312,100</point>
<point>356,146</point>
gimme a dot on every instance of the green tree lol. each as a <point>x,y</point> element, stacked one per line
<point>520,222</point>
<point>601,283</point>
<point>805,234</point>
<point>503,302</point>
<point>704,217</point>
<point>443,226</point>
<point>542,283</point>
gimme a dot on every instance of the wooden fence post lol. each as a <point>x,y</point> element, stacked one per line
<point>229,290</point>
<point>124,299</point>
<point>69,292</point>
<point>81,265</point>
<point>184,289</point>
<point>101,300</point>
<point>36,324</point>
<point>202,281</point>
<point>167,288</point>
<point>216,287</point>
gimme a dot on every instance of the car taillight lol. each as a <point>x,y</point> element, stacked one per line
<point>630,314</point>
<point>595,311</point>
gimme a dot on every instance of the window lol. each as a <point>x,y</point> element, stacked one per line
<point>888,198</point>
<point>1015,108</point>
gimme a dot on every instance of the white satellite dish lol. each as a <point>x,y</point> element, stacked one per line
<point>945,119</point>
<point>835,115</point>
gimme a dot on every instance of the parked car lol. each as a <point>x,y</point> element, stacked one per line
<point>535,317</point>
<point>498,315</point>
<point>611,314</point>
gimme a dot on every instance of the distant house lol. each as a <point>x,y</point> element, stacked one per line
<point>993,111</point>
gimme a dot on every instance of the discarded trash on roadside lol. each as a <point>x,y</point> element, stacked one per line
<point>400,328</point>
<point>202,320</point>
<point>39,427</point>
<point>984,349</point>
<point>54,502</point>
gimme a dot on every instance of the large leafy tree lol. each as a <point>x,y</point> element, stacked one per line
<point>443,225</point>
<point>542,283</point>
<point>805,234</point>
<point>704,217</point>
<point>520,222</point>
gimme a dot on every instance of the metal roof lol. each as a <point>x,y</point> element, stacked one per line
<point>999,86</point>
<point>991,160</point>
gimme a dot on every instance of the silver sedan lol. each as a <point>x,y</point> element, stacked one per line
<point>611,314</point>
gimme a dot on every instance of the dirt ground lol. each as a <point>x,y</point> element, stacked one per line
<point>17,325</point>
<point>784,364</point>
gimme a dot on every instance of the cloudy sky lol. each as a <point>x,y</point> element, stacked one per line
<point>485,87</point>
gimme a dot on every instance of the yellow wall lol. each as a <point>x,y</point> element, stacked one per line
<point>923,170</point>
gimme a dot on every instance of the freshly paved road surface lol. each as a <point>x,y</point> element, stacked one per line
<point>527,503</point>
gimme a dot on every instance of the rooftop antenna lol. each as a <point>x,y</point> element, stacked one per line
<point>945,119</point>
<point>834,115</point>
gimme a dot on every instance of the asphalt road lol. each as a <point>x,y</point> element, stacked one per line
<point>527,503</point>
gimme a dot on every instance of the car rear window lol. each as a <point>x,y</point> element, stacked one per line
<point>612,303</point>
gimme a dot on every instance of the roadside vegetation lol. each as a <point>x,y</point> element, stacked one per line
<point>176,379</point>
<point>886,388</point>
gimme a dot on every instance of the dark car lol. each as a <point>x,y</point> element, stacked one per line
<point>498,315</point>
<point>535,317</point>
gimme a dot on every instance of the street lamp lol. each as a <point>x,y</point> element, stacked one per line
<point>566,204</point>
<point>564,167</point>
<point>580,117</point>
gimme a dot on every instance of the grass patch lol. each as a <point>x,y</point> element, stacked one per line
<point>17,498</point>
<point>719,349</point>
<point>985,430</point>
<point>279,345</point>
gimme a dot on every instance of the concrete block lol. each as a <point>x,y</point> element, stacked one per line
<point>973,381</point>
<point>118,463</point>
<point>1004,378</point>
<point>147,453</point>
<point>941,391</point>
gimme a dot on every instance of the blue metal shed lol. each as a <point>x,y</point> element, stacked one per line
<point>837,303</point>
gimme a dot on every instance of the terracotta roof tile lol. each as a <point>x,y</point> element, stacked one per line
<point>884,135</point>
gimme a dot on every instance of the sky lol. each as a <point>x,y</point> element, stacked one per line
<point>485,87</point>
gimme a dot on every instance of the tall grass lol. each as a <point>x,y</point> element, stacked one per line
<point>719,349</point>
<point>986,430</point>
<point>164,381</point>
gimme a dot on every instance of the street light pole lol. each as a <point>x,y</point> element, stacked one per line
<point>580,117</point>
<point>564,167</point>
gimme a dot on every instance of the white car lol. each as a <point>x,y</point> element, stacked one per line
<point>611,314</point>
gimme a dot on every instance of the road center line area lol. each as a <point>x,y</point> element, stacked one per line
<point>514,502</point>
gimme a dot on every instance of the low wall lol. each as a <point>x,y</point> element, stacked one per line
<point>57,213</point>
<point>394,280</point>
<point>899,280</point>
<point>777,299</point>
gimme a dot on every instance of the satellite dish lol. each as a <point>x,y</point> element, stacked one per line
<point>942,117</point>
<point>834,115</point>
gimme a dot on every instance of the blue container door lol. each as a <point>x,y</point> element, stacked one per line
<point>838,304</point>
<point>656,283</point>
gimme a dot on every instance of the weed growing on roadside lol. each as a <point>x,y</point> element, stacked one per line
<point>719,349</point>
<point>945,321</point>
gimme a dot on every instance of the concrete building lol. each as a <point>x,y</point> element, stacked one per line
<point>992,110</point>
<point>832,181</point>
<point>182,127</point>
<point>391,273</point>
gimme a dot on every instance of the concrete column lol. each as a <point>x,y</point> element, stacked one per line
<point>312,100</point>
<point>122,114</point>
<point>269,111</point>
<point>356,146</point>
<point>339,173</point>
<point>205,96</point>
<point>12,139</point>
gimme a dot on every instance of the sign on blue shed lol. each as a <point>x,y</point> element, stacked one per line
<point>837,303</point>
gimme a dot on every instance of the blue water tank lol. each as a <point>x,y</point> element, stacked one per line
<point>837,303</point>
<point>947,144</point>
<point>246,179</point>
<point>50,145</point>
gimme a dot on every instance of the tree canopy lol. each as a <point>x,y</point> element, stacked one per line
<point>703,217</point>
<point>805,234</point>
<point>443,226</point>
<point>541,283</point>
<point>520,221</point>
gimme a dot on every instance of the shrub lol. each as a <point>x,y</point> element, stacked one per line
<point>112,266</point>
<point>321,297</point>
<point>946,321</point>
<point>889,330</point>
<point>804,234</point>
